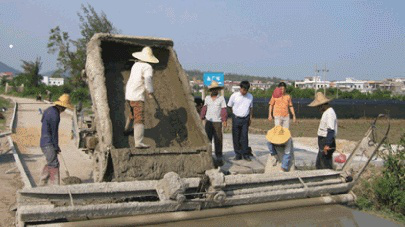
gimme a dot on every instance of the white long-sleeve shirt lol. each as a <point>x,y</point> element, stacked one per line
<point>139,80</point>
<point>328,121</point>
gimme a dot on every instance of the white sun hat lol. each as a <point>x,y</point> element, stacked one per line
<point>146,55</point>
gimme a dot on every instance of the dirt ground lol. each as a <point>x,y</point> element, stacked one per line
<point>26,139</point>
<point>348,129</point>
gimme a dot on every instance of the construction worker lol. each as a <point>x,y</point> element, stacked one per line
<point>327,132</point>
<point>280,145</point>
<point>215,114</point>
<point>140,80</point>
<point>50,139</point>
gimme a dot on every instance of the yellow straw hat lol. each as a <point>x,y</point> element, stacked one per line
<point>64,100</point>
<point>214,85</point>
<point>278,135</point>
<point>319,100</point>
<point>146,55</point>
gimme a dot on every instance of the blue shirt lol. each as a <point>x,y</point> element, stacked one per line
<point>50,126</point>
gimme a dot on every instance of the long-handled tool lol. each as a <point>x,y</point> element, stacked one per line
<point>69,179</point>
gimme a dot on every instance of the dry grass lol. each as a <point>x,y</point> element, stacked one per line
<point>349,129</point>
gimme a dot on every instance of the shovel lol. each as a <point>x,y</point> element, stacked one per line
<point>69,179</point>
<point>159,112</point>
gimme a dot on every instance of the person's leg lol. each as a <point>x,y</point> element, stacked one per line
<point>277,121</point>
<point>273,159</point>
<point>286,162</point>
<point>285,122</point>
<point>236,137</point>
<point>218,142</point>
<point>329,156</point>
<point>324,161</point>
<point>218,138</point>
<point>209,130</point>
<point>139,127</point>
<point>52,170</point>
<point>244,139</point>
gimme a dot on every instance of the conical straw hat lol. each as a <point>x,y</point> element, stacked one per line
<point>214,84</point>
<point>319,100</point>
<point>146,55</point>
<point>64,100</point>
<point>278,135</point>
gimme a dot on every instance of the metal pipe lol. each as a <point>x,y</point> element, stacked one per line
<point>151,219</point>
<point>283,187</point>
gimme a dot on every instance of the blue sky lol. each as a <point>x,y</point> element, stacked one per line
<point>361,39</point>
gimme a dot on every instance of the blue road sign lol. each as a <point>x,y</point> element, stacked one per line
<point>209,77</point>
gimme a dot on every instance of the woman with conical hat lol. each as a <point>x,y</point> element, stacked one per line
<point>50,139</point>
<point>215,114</point>
<point>327,131</point>
<point>140,80</point>
<point>280,145</point>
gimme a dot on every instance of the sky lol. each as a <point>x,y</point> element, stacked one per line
<point>287,39</point>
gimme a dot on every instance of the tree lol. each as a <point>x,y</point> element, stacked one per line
<point>72,53</point>
<point>30,75</point>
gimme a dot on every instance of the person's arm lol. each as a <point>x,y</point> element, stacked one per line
<point>292,109</point>
<point>330,121</point>
<point>251,112</point>
<point>271,105</point>
<point>53,124</point>
<point>224,113</point>
<point>203,112</point>
<point>147,75</point>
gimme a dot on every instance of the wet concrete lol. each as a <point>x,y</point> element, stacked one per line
<point>327,215</point>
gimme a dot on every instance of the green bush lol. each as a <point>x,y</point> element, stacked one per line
<point>384,190</point>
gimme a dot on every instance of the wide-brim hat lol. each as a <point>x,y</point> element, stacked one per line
<point>64,100</point>
<point>278,135</point>
<point>214,85</point>
<point>146,55</point>
<point>319,100</point>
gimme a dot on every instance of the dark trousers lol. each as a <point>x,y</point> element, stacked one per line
<point>240,128</point>
<point>325,161</point>
<point>214,130</point>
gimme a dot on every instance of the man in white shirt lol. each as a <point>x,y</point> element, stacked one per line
<point>140,80</point>
<point>215,114</point>
<point>242,104</point>
<point>327,132</point>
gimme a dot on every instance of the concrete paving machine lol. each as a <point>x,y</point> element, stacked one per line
<point>175,179</point>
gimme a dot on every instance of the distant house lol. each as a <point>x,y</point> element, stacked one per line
<point>313,82</point>
<point>50,81</point>
<point>6,75</point>
<point>350,84</point>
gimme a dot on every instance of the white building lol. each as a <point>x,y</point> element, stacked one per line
<point>350,84</point>
<point>53,81</point>
<point>313,82</point>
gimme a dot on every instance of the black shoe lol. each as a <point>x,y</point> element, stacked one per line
<point>238,157</point>
<point>220,162</point>
<point>247,158</point>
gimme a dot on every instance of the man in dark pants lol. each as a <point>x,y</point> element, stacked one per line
<point>50,140</point>
<point>241,103</point>
<point>327,132</point>
<point>215,115</point>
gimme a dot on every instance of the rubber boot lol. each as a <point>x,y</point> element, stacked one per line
<point>43,180</point>
<point>54,176</point>
<point>138,136</point>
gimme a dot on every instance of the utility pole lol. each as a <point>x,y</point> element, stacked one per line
<point>316,77</point>
<point>324,70</point>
